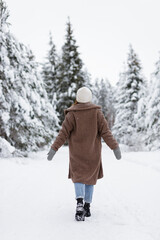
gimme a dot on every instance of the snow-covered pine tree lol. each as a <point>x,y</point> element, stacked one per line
<point>70,75</point>
<point>49,71</point>
<point>130,89</point>
<point>103,96</point>
<point>152,119</point>
<point>27,119</point>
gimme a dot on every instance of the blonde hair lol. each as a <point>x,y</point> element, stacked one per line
<point>74,103</point>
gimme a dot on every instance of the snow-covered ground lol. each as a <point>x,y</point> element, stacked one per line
<point>37,200</point>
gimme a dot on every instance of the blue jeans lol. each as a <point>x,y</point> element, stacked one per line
<point>84,191</point>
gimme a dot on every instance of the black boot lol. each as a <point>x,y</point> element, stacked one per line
<point>80,213</point>
<point>87,209</point>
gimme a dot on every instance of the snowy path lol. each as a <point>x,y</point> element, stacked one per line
<point>37,200</point>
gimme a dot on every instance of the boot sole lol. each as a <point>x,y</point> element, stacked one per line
<point>80,216</point>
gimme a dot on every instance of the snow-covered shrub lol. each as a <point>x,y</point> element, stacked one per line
<point>6,150</point>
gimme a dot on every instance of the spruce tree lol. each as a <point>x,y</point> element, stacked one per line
<point>152,119</point>
<point>70,74</point>
<point>4,14</point>
<point>103,96</point>
<point>26,116</point>
<point>49,71</point>
<point>130,89</point>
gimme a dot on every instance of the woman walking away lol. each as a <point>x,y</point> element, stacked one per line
<point>83,126</point>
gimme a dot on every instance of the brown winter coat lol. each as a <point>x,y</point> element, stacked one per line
<point>84,125</point>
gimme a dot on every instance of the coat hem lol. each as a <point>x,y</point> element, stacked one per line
<point>85,182</point>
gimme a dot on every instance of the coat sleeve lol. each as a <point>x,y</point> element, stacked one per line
<point>104,131</point>
<point>65,131</point>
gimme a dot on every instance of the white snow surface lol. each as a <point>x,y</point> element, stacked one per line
<point>37,201</point>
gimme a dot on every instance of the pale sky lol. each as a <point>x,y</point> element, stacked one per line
<point>103,30</point>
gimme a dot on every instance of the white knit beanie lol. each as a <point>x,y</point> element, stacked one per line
<point>84,95</point>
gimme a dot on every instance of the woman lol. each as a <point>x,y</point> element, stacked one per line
<point>84,125</point>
